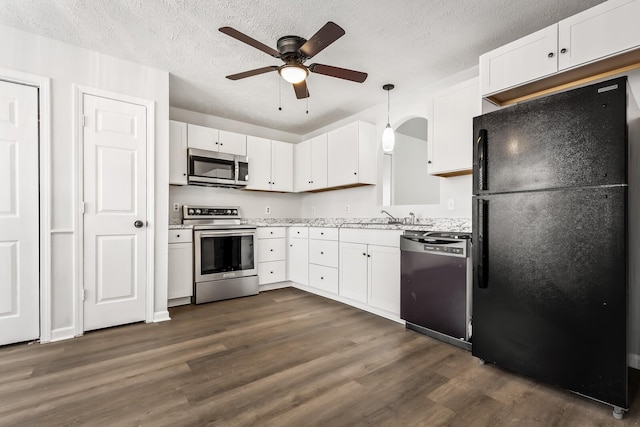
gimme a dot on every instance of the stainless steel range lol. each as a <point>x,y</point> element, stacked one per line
<point>224,253</point>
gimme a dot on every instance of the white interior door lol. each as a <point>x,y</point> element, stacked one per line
<point>115,243</point>
<point>19,214</point>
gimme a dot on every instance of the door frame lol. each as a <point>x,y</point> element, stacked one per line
<point>43,84</point>
<point>79,92</point>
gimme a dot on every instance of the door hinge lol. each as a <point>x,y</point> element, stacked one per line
<point>82,295</point>
<point>83,207</point>
<point>84,121</point>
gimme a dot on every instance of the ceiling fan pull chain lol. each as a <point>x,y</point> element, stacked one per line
<point>307,105</point>
<point>279,94</point>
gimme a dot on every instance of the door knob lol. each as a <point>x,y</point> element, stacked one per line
<point>138,224</point>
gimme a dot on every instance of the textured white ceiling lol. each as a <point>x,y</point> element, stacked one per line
<point>408,43</point>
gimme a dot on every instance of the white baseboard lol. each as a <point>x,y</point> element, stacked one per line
<point>179,301</point>
<point>161,316</point>
<point>272,286</point>
<point>63,334</point>
<point>634,360</point>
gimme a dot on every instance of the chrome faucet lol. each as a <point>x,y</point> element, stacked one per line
<point>413,218</point>
<point>392,219</point>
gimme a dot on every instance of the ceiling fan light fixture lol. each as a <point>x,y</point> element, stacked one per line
<point>293,73</point>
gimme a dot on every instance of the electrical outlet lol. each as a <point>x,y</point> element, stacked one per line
<point>176,207</point>
<point>267,210</point>
<point>346,209</point>
<point>313,209</point>
<point>451,204</point>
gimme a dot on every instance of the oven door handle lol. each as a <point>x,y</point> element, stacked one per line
<point>223,233</point>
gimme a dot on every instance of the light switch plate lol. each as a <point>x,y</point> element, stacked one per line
<point>451,204</point>
<point>267,210</point>
<point>176,207</point>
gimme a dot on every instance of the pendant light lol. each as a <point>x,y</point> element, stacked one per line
<point>388,137</point>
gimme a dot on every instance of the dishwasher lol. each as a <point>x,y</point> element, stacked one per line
<point>435,285</point>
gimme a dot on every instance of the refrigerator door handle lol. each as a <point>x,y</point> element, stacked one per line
<point>483,252</point>
<point>482,159</point>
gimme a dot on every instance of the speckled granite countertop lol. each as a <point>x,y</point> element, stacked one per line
<point>422,224</point>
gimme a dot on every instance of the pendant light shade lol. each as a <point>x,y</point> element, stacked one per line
<point>388,136</point>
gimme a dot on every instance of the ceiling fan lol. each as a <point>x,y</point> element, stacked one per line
<point>294,51</point>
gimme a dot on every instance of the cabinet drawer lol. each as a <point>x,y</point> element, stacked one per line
<point>324,278</point>
<point>301,232</point>
<point>182,235</point>
<point>323,233</point>
<point>270,232</point>
<point>271,250</point>
<point>323,252</point>
<point>371,237</point>
<point>271,272</point>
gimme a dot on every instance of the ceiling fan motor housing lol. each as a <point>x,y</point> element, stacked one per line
<point>289,47</point>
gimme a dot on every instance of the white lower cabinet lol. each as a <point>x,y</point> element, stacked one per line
<point>180,287</point>
<point>298,255</point>
<point>370,268</point>
<point>272,255</point>
<point>323,259</point>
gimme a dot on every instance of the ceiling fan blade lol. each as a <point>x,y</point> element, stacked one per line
<point>248,40</point>
<point>341,73</point>
<point>323,38</point>
<point>302,91</point>
<point>252,72</point>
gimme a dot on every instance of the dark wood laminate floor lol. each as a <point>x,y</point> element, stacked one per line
<point>282,358</point>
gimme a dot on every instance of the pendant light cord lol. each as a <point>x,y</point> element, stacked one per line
<point>388,104</point>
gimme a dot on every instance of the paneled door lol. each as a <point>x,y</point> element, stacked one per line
<point>115,218</point>
<point>19,217</point>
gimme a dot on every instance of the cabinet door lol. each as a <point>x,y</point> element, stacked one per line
<point>342,154</point>
<point>177,153</point>
<point>318,162</point>
<point>281,166</point>
<point>259,154</point>
<point>606,29</point>
<point>353,271</point>
<point>298,261</point>
<point>523,60</point>
<point>233,143</point>
<point>452,128</point>
<point>302,159</point>
<point>202,137</point>
<point>384,278</point>
<point>180,270</point>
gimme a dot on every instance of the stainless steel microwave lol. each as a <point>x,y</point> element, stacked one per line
<point>215,169</point>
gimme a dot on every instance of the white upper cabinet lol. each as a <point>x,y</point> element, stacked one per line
<point>202,137</point>
<point>523,60</point>
<point>177,153</point>
<point>232,143</point>
<point>451,130</point>
<point>351,153</point>
<point>270,165</point>
<point>281,166</point>
<point>606,31</point>
<point>206,138</point>
<point>310,158</point>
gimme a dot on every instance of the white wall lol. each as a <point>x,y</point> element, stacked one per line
<point>67,65</point>
<point>406,103</point>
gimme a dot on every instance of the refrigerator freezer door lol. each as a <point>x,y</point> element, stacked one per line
<point>554,305</point>
<point>571,139</point>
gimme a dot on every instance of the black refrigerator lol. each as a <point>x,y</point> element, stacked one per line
<point>550,240</point>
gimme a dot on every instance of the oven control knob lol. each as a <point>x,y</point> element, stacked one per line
<point>235,212</point>
<point>190,211</point>
<point>228,211</point>
<point>198,211</point>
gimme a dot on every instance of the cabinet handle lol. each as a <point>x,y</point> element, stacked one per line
<point>563,50</point>
<point>272,272</point>
<point>321,253</point>
<point>290,246</point>
<point>355,173</point>
<point>221,144</point>
<point>321,278</point>
<point>363,253</point>
<point>216,143</point>
<point>429,162</point>
<point>270,250</point>
<point>321,233</point>
<point>184,174</point>
<point>550,55</point>
<point>368,256</point>
<point>177,235</point>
